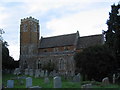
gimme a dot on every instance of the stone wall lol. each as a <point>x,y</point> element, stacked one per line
<point>64,62</point>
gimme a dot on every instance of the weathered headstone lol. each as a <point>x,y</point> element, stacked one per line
<point>54,73</point>
<point>31,72</point>
<point>37,73</point>
<point>76,78</point>
<point>46,73</point>
<point>105,81</point>
<point>28,82</point>
<point>46,80</point>
<point>57,82</point>
<point>26,71</point>
<point>35,87</point>
<point>10,84</point>
<point>42,73</point>
<point>51,74</point>
<point>114,78</point>
<point>72,73</point>
<point>86,86</point>
<point>17,71</point>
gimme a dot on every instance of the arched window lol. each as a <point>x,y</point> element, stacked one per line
<point>61,64</point>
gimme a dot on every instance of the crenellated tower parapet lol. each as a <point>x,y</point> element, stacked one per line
<point>30,19</point>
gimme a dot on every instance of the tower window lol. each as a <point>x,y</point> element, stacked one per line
<point>25,28</point>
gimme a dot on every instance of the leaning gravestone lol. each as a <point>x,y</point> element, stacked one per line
<point>105,81</point>
<point>31,72</point>
<point>28,82</point>
<point>76,78</point>
<point>46,80</point>
<point>57,82</point>
<point>17,71</point>
<point>10,84</point>
<point>26,71</point>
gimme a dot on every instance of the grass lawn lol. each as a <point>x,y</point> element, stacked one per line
<point>40,82</point>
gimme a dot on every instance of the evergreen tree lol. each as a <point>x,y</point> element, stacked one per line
<point>113,32</point>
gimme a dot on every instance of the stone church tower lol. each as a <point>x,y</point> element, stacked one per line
<point>29,38</point>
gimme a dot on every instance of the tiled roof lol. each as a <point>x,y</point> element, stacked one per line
<point>57,41</point>
<point>87,41</point>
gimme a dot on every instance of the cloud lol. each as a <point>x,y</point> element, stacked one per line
<point>88,22</point>
<point>56,17</point>
<point>14,50</point>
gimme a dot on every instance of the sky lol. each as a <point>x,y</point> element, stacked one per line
<point>56,17</point>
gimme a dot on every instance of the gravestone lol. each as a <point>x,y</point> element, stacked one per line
<point>54,73</point>
<point>35,87</point>
<point>10,84</point>
<point>105,81</point>
<point>72,74</point>
<point>46,73</point>
<point>28,82</point>
<point>37,73</point>
<point>42,73</point>
<point>76,78</point>
<point>17,71</point>
<point>86,86</point>
<point>46,80</point>
<point>26,71</point>
<point>57,82</point>
<point>114,78</point>
<point>31,72</point>
<point>51,74</point>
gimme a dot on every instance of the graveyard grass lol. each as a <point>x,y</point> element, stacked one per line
<point>40,82</point>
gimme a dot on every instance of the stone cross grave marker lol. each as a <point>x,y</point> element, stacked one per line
<point>57,82</point>
<point>28,82</point>
<point>10,84</point>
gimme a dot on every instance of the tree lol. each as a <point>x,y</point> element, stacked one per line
<point>96,62</point>
<point>7,61</point>
<point>50,66</point>
<point>113,32</point>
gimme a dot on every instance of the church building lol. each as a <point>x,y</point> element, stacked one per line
<point>36,52</point>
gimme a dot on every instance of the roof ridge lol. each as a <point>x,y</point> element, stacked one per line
<point>58,36</point>
<point>91,35</point>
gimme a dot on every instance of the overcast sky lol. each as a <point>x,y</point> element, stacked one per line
<point>56,17</point>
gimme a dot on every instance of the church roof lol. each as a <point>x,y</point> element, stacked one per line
<point>87,41</point>
<point>57,41</point>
